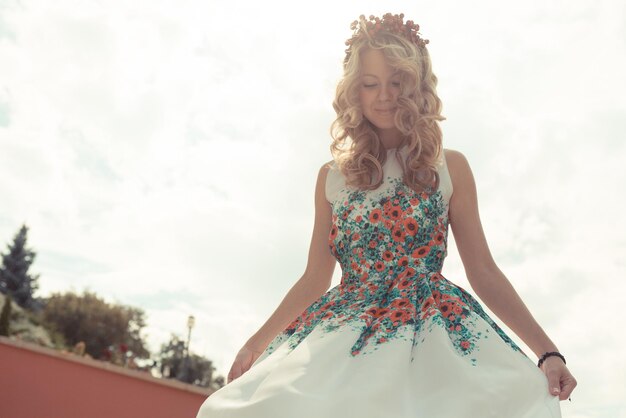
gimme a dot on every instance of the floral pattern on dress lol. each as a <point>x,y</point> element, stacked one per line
<point>391,247</point>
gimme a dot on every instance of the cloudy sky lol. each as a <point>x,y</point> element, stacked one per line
<point>164,155</point>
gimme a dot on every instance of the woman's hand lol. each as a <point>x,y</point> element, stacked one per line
<point>560,380</point>
<point>245,358</point>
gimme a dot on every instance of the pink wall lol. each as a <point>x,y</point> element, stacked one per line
<point>37,382</point>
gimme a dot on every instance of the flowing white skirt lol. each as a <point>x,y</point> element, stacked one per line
<point>400,379</point>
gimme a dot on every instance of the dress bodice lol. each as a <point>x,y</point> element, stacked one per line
<point>377,233</point>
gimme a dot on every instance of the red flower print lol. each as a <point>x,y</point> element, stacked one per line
<point>421,251</point>
<point>377,312</point>
<point>411,226</point>
<point>398,234</point>
<point>399,316</point>
<point>446,309</point>
<point>372,287</point>
<point>395,213</point>
<point>387,255</point>
<point>400,303</point>
<point>403,261</point>
<point>439,238</point>
<point>375,215</point>
<point>333,232</point>
<point>427,304</point>
<point>328,305</point>
<point>465,344</point>
<point>379,266</point>
<point>404,284</point>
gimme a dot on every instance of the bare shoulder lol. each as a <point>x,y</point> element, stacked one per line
<point>321,181</point>
<point>458,166</point>
<point>324,169</point>
<point>454,157</point>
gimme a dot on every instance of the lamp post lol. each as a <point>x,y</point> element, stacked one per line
<point>184,372</point>
<point>191,321</point>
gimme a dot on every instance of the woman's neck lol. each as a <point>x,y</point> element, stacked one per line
<point>391,138</point>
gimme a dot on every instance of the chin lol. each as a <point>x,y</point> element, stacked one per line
<point>382,123</point>
<point>384,126</point>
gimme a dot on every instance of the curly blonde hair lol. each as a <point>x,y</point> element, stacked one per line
<point>356,147</point>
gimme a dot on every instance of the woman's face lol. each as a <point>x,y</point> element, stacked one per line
<point>379,91</point>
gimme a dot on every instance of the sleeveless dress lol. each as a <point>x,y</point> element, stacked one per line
<point>395,339</point>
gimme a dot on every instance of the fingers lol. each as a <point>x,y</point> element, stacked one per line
<point>555,390</point>
<point>235,372</point>
<point>554,382</point>
<point>251,360</point>
<point>242,363</point>
<point>560,382</point>
<point>568,385</point>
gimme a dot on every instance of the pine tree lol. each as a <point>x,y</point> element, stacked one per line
<point>15,280</point>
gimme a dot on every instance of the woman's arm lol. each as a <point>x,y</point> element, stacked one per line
<point>486,279</point>
<point>317,276</point>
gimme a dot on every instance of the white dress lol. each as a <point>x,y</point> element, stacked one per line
<point>395,339</point>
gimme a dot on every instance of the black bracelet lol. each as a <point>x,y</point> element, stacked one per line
<point>548,354</point>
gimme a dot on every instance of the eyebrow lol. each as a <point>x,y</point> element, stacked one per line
<point>372,75</point>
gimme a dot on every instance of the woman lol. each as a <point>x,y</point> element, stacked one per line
<point>395,338</point>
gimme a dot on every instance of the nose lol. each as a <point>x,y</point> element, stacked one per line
<point>384,93</point>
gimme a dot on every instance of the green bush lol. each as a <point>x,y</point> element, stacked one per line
<point>5,316</point>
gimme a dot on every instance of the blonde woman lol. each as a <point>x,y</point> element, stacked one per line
<point>395,338</point>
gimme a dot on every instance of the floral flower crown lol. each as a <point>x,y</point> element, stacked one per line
<point>389,23</point>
